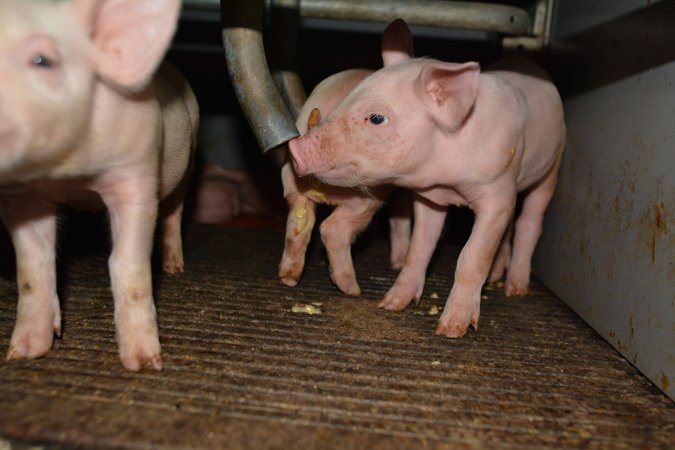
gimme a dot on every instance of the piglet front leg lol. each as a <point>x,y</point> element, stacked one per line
<point>299,226</point>
<point>463,306</point>
<point>132,204</point>
<point>32,226</point>
<point>338,232</point>
<point>429,221</point>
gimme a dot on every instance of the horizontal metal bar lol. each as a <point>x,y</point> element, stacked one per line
<point>504,19</point>
<point>434,13</point>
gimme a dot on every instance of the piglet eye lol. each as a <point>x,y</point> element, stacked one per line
<point>42,61</point>
<point>377,119</point>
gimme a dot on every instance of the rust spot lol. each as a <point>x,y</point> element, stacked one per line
<point>665,382</point>
<point>660,227</point>
<point>658,218</point>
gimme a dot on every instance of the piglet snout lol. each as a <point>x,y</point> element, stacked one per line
<point>296,147</point>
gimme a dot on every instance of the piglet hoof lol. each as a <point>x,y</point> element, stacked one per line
<point>33,336</point>
<point>173,262</point>
<point>395,303</point>
<point>455,323</point>
<point>347,284</point>
<point>289,273</point>
<point>148,356</point>
<point>173,267</point>
<point>516,286</point>
<point>29,347</point>
<point>288,281</point>
<point>351,290</point>
<point>139,345</point>
<point>515,291</point>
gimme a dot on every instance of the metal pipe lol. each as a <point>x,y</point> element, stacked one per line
<point>291,90</point>
<point>265,111</point>
<point>434,13</point>
<point>284,28</point>
<point>504,19</point>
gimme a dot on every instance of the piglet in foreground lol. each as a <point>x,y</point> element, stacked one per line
<point>84,122</point>
<point>455,136</point>
<point>354,208</point>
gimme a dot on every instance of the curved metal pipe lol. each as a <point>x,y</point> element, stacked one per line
<point>270,120</point>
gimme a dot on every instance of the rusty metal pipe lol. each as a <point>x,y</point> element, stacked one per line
<point>265,111</point>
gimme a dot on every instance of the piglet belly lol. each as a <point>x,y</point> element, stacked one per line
<point>443,196</point>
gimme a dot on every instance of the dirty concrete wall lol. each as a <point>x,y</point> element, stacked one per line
<point>608,248</point>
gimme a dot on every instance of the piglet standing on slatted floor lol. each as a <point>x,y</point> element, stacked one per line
<point>455,136</point>
<point>84,122</point>
<point>354,208</point>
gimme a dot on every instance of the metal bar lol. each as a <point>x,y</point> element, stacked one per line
<point>451,14</point>
<point>284,27</point>
<point>504,19</point>
<point>254,87</point>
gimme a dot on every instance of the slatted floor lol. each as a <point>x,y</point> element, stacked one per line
<point>243,371</point>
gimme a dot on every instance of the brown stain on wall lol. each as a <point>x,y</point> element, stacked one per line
<point>660,227</point>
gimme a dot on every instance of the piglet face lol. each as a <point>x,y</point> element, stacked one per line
<point>390,124</point>
<point>46,86</point>
<point>364,141</point>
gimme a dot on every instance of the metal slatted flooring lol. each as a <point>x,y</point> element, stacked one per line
<point>243,371</point>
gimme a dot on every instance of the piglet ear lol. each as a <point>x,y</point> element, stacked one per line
<point>450,90</point>
<point>397,43</point>
<point>130,36</point>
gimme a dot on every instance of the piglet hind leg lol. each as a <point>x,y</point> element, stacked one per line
<point>133,214</point>
<point>399,226</point>
<point>409,285</point>
<point>463,306</point>
<point>171,241</point>
<point>503,257</point>
<point>32,226</point>
<point>527,232</point>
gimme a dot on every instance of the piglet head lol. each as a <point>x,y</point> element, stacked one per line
<point>53,54</point>
<point>390,124</point>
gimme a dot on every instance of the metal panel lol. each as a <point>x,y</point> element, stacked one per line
<point>609,238</point>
